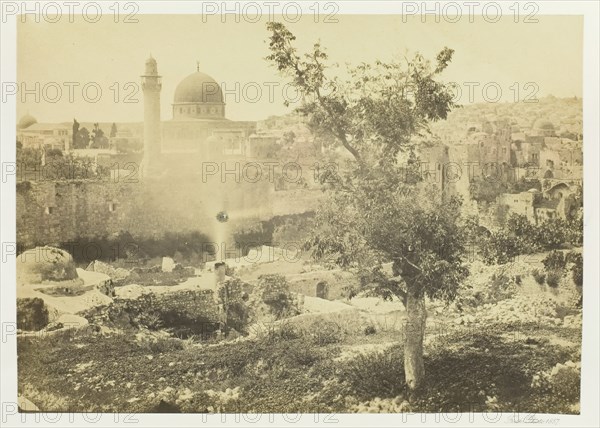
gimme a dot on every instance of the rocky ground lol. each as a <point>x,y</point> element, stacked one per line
<point>504,343</point>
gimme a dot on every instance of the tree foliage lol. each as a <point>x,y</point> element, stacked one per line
<point>577,268</point>
<point>98,139</point>
<point>520,236</point>
<point>376,213</point>
<point>81,139</point>
<point>488,189</point>
<point>555,260</point>
<point>394,240</point>
<point>376,112</point>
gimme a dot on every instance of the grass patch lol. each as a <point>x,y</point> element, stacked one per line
<point>467,369</point>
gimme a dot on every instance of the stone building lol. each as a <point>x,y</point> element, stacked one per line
<point>556,202</point>
<point>32,134</point>
<point>198,130</point>
<point>520,203</point>
<point>542,128</point>
<point>526,150</point>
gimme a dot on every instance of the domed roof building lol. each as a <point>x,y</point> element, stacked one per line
<point>26,121</point>
<point>198,128</point>
<point>543,128</point>
<point>198,96</point>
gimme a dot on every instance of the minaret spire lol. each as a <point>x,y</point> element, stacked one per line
<point>151,86</point>
<point>197,65</point>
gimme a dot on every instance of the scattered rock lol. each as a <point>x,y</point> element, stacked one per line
<point>573,320</point>
<point>72,321</point>
<point>116,274</point>
<point>54,326</point>
<point>168,264</point>
<point>25,405</point>
<point>184,395</point>
<point>106,287</point>
<point>132,291</point>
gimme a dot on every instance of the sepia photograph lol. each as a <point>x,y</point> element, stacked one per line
<point>285,208</point>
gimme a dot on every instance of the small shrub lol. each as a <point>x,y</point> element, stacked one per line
<point>288,331</point>
<point>185,313</point>
<point>166,345</point>
<point>150,320</point>
<point>518,279</point>
<point>370,329</point>
<point>539,276</point>
<point>563,381</point>
<point>502,287</point>
<point>577,268</point>
<point>555,260</point>
<point>232,298</point>
<point>32,314</point>
<point>566,381</point>
<point>553,278</point>
<point>274,291</point>
<point>303,355</point>
<point>572,256</point>
<point>326,332</point>
<point>500,247</point>
<point>378,374</point>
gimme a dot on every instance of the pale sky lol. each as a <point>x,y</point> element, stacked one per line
<point>548,53</point>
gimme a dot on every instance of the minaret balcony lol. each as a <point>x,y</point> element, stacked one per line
<point>152,83</point>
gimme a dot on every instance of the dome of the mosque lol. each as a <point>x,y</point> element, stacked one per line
<point>198,88</point>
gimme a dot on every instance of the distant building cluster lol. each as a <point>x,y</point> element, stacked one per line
<point>197,131</point>
<point>498,152</point>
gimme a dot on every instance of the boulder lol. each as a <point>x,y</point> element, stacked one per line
<point>322,290</point>
<point>131,291</point>
<point>25,405</point>
<point>32,314</point>
<point>54,326</point>
<point>116,274</point>
<point>72,321</point>
<point>46,265</point>
<point>168,264</point>
<point>184,270</point>
<point>106,287</point>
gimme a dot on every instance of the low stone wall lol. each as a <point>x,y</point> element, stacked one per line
<point>336,281</point>
<point>185,312</point>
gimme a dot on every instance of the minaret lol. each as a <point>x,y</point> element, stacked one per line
<point>151,85</point>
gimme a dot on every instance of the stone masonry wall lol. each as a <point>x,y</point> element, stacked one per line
<point>51,212</point>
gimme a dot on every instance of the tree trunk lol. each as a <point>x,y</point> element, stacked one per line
<point>416,315</point>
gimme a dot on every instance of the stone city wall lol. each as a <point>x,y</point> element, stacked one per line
<point>51,212</point>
